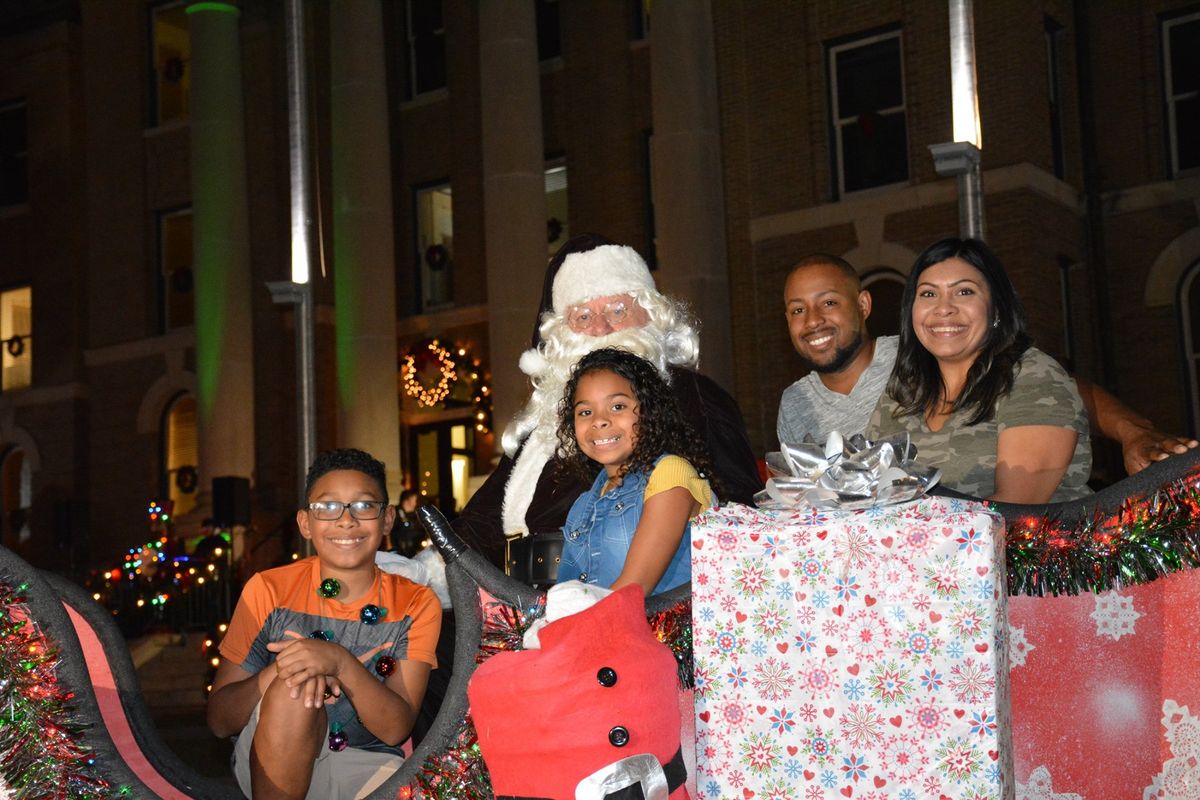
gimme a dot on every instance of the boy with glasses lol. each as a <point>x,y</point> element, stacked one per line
<point>326,660</point>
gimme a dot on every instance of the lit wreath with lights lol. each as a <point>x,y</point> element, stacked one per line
<point>414,387</point>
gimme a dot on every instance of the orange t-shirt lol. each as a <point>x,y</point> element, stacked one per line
<point>283,603</point>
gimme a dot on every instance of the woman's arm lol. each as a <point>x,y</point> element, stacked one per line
<point>658,534</point>
<point>1031,461</point>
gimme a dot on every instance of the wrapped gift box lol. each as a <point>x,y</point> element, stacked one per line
<point>851,654</point>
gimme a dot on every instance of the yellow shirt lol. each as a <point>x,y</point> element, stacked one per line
<point>673,471</point>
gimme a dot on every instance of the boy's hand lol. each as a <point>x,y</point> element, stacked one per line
<point>309,667</point>
<point>318,691</point>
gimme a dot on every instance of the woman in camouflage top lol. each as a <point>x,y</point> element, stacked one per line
<point>999,417</point>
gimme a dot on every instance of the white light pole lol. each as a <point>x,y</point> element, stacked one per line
<point>298,290</point>
<point>961,156</point>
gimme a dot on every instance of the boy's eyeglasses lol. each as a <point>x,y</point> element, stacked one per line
<point>332,510</point>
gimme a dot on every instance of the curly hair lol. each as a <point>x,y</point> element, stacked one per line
<point>347,458</point>
<point>916,381</point>
<point>660,428</point>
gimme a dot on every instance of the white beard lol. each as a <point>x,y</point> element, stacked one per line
<point>549,369</point>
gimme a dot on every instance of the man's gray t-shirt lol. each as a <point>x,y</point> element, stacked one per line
<point>808,408</point>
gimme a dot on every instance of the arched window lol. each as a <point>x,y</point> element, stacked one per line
<point>1188,302</point>
<point>886,287</point>
<point>16,497</point>
<point>180,453</point>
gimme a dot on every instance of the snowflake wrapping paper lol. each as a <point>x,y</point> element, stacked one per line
<point>1106,693</point>
<point>845,654</point>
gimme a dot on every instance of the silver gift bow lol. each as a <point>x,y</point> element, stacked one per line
<point>845,473</point>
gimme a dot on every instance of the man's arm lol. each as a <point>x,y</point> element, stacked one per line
<point>1141,443</point>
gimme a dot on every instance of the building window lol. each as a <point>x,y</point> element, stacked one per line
<point>558,228</point>
<point>1181,67</point>
<point>866,96</point>
<point>14,154</point>
<point>181,454</point>
<point>435,246</point>
<point>443,453</point>
<point>16,495</point>
<point>171,62</point>
<point>176,307</point>
<point>16,335</point>
<point>1054,37</point>
<point>426,40</point>
<point>549,34</point>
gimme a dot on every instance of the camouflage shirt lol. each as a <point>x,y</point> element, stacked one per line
<point>1042,394</point>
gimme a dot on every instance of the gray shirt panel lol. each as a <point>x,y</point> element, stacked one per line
<point>809,408</point>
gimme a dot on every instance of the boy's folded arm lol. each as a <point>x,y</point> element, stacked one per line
<point>235,693</point>
<point>389,709</point>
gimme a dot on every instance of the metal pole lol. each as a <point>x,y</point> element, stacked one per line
<point>966,114</point>
<point>961,157</point>
<point>300,169</point>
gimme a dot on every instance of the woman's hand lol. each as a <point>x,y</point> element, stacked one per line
<point>1031,461</point>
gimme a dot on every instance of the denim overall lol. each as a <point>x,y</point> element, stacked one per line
<point>599,530</point>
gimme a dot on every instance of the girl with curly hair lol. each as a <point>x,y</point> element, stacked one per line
<point>634,525</point>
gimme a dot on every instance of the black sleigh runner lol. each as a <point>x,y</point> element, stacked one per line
<point>75,723</point>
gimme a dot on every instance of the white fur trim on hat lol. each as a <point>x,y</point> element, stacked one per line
<point>603,271</point>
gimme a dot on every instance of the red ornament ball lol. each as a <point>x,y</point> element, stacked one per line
<point>385,665</point>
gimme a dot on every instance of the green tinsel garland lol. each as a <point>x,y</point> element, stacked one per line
<point>41,754</point>
<point>1145,539</point>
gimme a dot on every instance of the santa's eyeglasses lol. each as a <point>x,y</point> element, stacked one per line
<point>581,318</point>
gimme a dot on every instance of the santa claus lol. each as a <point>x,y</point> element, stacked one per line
<point>598,294</point>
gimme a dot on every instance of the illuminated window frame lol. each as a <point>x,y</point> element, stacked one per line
<point>16,338</point>
<point>170,63</point>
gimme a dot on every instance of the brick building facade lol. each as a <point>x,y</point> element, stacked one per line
<point>807,125</point>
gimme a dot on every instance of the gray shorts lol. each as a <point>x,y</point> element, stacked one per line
<point>346,775</point>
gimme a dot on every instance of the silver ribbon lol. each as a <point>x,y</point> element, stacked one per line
<point>641,770</point>
<point>846,473</point>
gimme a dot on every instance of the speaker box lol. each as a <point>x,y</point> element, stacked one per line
<point>231,501</point>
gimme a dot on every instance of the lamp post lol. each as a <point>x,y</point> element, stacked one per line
<point>298,291</point>
<point>961,157</point>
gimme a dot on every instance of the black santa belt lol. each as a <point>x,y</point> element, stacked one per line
<point>674,771</point>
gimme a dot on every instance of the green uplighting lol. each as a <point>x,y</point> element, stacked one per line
<point>223,8</point>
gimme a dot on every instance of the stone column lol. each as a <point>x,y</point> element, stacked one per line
<point>514,192</point>
<point>221,247</point>
<point>364,268</point>
<point>689,203</point>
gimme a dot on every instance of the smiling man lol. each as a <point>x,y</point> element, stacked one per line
<point>827,311</point>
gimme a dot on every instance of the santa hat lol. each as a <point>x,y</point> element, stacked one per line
<point>588,266</point>
<point>598,705</point>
